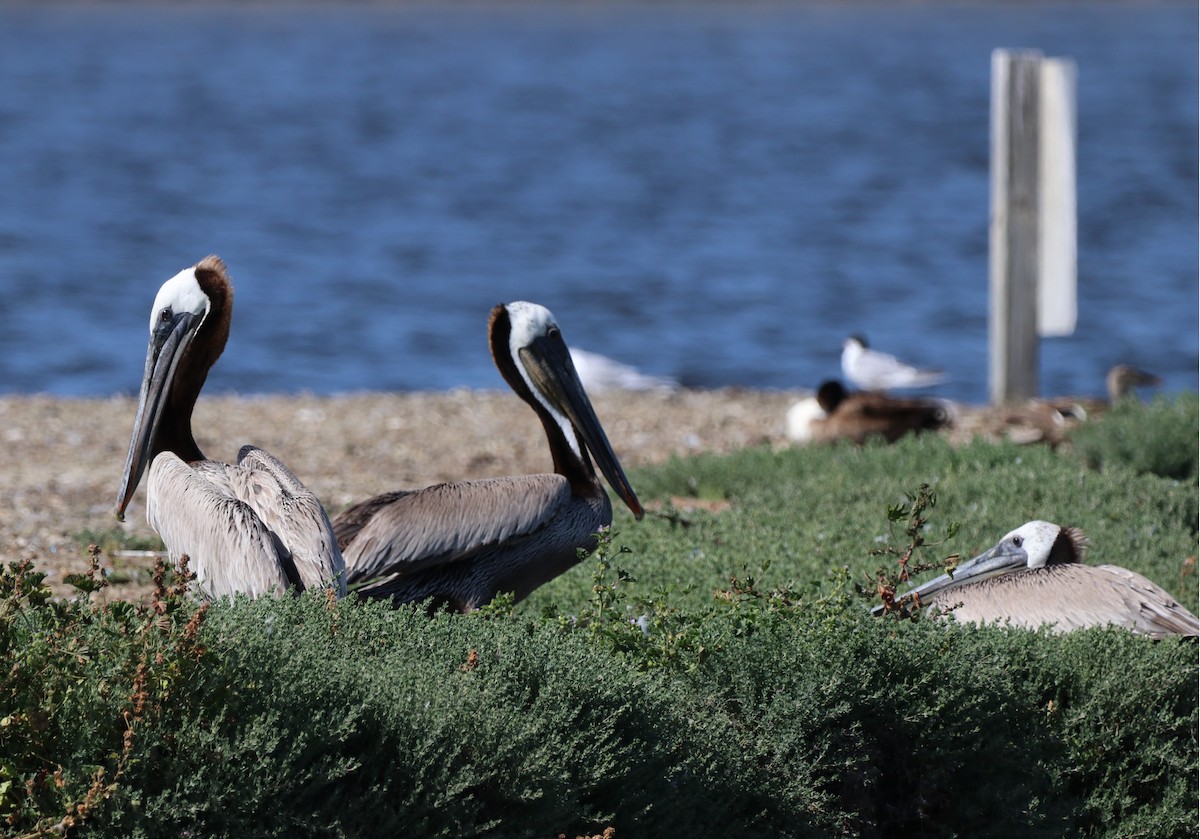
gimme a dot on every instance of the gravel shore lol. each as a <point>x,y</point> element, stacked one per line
<point>63,457</point>
<point>63,462</point>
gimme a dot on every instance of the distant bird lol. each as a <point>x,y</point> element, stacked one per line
<point>1034,577</point>
<point>1120,383</point>
<point>872,370</point>
<point>835,414</point>
<point>249,527</point>
<point>1123,378</point>
<point>463,543</point>
<point>1050,420</point>
<point>599,373</point>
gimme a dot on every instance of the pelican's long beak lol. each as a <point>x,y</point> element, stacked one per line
<point>549,364</point>
<point>167,345</point>
<point>998,559</point>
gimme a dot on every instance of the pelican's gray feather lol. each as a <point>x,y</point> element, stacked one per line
<point>196,513</point>
<point>410,531</point>
<point>294,514</point>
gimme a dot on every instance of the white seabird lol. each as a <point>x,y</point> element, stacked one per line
<point>872,370</point>
<point>598,372</point>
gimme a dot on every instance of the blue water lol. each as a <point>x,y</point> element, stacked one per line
<point>712,193</point>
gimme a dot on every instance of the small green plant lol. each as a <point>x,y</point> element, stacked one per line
<point>886,580</point>
<point>650,632</point>
<point>746,589</point>
<point>500,606</point>
<point>607,582</point>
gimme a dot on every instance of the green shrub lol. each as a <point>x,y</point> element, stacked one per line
<point>359,721</point>
<point>1157,439</point>
<point>86,693</point>
<point>718,678</point>
<point>799,515</point>
<point>305,718</point>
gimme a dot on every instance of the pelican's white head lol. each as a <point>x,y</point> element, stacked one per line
<point>181,293</point>
<point>528,322</point>
<point>1037,540</point>
<point>540,355</point>
<point>1033,545</point>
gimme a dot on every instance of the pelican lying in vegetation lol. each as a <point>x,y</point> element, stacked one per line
<point>1035,577</point>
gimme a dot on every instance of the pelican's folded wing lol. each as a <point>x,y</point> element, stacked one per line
<point>403,532</point>
<point>1157,613</point>
<point>294,514</point>
<point>230,549</point>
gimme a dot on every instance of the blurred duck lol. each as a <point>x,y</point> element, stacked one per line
<point>598,373</point>
<point>1035,577</point>
<point>1122,380</point>
<point>1050,420</point>
<point>869,369</point>
<point>248,527</point>
<point>460,544</point>
<point>835,414</point>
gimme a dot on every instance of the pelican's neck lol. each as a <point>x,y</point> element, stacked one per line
<point>570,461</point>
<point>1069,548</point>
<point>175,429</point>
<point>569,455</point>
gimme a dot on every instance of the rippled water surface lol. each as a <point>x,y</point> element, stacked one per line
<point>712,194</point>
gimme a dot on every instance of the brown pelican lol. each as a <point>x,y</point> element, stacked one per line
<point>249,527</point>
<point>1034,577</point>
<point>835,414</point>
<point>463,543</point>
<point>873,370</point>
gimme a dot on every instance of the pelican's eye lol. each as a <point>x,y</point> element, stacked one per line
<point>552,331</point>
<point>165,315</point>
<point>1017,541</point>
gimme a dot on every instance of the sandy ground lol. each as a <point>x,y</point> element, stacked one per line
<point>62,458</point>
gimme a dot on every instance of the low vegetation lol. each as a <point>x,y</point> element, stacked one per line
<point>712,670</point>
<point>1159,439</point>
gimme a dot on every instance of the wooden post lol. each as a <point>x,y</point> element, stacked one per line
<point>1013,232</point>
<point>1032,231</point>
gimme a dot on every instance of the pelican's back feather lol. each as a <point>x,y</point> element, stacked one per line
<point>405,532</point>
<point>294,514</point>
<point>249,528</point>
<point>229,548</point>
<point>1071,597</point>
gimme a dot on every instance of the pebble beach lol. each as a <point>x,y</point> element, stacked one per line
<point>63,457</point>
